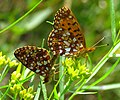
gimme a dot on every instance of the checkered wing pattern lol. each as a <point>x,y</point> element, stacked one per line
<point>36,59</point>
<point>67,37</point>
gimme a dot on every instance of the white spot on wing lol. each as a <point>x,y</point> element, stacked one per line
<point>60,47</point>
<point>67,49</point>
<point>60,14</point>
<point>70,16</point>
<point>56,31</point>
<point>53,34</point>
<point>28,55</point>
<point>60,29</point>
<point>44,56</point>
<point>67,33</point>
<point>51,48</point>
<point>61,51</point>
<point>72,45</point>
<point>38,63</point>
<point>64,34</point>
<point>74,39</point>
<point>25,58</point>
<point>42,72</point>
<point>58,18</point>
<point>31,52</point>
<point>78,45</point>
<point>31,64</point>
<point>37,70</point>
<point>54,52</point>
<point>57,22</point>
<point>67,53</point>
<point>31,67</point>
<point>50,39</point>
<point>25,62</point>
<point>74,50</point>
<point>46,68</point>
<point>50,43</point>
<point>67,43</point>
<point>45,62</point>
<point>81,45</point>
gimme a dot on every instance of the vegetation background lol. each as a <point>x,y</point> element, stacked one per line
<point>94,18</point>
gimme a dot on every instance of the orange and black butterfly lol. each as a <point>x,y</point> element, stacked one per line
<point>67,37</point>
<point>36,59</point>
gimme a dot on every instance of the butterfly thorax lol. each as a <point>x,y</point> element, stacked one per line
<point>84,51</point>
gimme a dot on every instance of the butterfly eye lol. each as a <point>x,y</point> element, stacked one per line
<point>36,59</point>
<point>66,37</point>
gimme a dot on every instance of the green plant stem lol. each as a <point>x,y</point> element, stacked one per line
<point>104,87</point>
<point>61,72</point>
<point>56,86</point>
<point>98,66</point>
<point>44,90</point>
<point>115,48</point>
<point>4,72</point>
<point>37,93</point>
<point>15,96</point>
<point>26,78</point>
<point>5,93</point>
<point>21,17</point>
<point>83,83</point>
<point>67,86</point>
<point>112,15</point>
<point>80,81</point>
<point>43,42</point>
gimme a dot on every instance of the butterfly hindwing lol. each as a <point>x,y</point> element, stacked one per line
<point>35,58</point>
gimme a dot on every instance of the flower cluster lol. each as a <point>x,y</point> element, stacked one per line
<point>17,89</point>
<point>6,61</point>
<point>75,70</point>
<point>27,94</point>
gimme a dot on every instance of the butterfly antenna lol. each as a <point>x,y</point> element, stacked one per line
<point>95,45</point>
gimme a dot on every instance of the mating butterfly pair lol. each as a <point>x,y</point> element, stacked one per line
<point>66,39</point>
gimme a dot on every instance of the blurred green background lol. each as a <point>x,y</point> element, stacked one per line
<point>93,16</point>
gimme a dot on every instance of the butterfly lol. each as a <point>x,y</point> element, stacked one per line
<point>36,59</point>
<point>67,37</point>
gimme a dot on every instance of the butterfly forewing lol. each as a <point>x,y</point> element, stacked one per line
<point>66,37</point>
<point>36,59</point>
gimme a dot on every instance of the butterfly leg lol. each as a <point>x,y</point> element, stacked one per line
<point>86,59</point>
